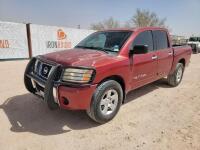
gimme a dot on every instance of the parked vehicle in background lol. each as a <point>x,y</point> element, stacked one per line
<point>194,42</point>
<point>98,73</point>
<point>178,40</point>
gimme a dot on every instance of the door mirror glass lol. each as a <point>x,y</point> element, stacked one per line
<point>139,49</point>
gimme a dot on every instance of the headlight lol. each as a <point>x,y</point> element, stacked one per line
<point>77,75</point>
<point>198,45</point>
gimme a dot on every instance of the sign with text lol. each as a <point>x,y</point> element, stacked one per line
<point>46,39</point>
<point>13,40</point>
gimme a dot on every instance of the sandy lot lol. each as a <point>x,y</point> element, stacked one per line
<point>155,117</point>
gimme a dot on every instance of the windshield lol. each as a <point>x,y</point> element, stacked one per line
<point>194,39</point>
<point>105,40</point>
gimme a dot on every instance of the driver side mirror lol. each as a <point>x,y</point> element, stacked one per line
<point>139,49</point>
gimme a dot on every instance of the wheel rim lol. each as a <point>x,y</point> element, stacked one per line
<point>179,74</point>
<point>109,102</point>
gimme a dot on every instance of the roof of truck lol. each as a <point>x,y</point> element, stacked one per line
<point>136,29</point>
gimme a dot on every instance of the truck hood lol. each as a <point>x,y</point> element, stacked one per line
<point>81,57</point>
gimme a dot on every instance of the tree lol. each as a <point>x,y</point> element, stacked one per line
<point>106,24</point>
<point>142,18</point>
<point>145,18</point>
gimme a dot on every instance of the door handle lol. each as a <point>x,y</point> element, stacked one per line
<point>154,57</point>
<point>170,53</point>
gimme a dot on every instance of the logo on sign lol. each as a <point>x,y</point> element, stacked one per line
<point>61,34</point>
<point>62,41</point>
<point>4,44</point>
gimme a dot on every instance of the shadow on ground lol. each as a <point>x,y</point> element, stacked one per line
<point>27,113</point>
<point>135,94</point>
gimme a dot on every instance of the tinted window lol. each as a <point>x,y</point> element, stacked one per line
<point>161,39</point>
<point>194,39</point>
<point>107,40</point>
<point>144,38</point>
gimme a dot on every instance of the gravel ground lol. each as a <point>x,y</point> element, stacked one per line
<point>154,117</point>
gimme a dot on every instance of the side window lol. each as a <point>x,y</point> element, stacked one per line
<point>144,38</point>
<point>161,39</point>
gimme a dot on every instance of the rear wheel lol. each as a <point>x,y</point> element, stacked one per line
<point>176,78</point>
<point>106,101</point>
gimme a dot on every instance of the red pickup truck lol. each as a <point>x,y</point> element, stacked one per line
<point>98,73</point>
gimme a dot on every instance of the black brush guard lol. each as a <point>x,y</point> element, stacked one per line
<point>48,84</point>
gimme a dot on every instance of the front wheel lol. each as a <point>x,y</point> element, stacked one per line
<point>106,101</point>
<point>175,78</point>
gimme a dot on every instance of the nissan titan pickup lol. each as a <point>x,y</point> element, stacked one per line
<point>97,73</point>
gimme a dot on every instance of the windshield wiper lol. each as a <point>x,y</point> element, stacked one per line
<point>92,47</point>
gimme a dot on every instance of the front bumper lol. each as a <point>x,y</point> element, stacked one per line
<point>57,93</point>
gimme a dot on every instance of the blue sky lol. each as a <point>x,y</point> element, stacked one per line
<point>183,16</point>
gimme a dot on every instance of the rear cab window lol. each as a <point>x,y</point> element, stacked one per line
<point>160,40</point>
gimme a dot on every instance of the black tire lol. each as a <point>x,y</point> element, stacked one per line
<point>94,112</point>
<point>172,78</point>
<point>197,50</point>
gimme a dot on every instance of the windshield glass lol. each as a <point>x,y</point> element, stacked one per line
<point>194,39</point>
<point>105,40</point>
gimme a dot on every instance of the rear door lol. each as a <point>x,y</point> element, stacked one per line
<point>163,51</point>
<point>144,68</point>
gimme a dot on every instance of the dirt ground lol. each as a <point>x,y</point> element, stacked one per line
<point>154,117</point>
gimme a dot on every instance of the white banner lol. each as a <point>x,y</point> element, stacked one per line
<point>46,39</point>
<point>13,40</point>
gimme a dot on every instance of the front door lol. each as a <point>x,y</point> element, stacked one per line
<point>144,66</point>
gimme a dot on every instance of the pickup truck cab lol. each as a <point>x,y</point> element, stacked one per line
<point>98,73</point>
<point>194,42</point>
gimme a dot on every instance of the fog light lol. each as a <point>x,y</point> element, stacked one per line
<point>65,101</point>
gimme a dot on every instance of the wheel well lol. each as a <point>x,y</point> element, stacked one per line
<point>118,79</point>
<point>182,61</point>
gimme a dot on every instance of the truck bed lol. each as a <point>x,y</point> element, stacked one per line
<point>181,52</point>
